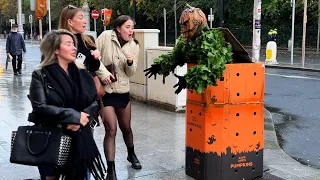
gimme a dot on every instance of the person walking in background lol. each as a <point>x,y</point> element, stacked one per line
<point>119,53</point>
<point>15,47</point>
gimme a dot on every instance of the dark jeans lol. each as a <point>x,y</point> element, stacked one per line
<point>14,62</point>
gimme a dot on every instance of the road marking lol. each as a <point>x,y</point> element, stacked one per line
<point>293,76</point>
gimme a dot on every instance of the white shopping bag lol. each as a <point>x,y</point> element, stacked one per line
<point>9,58</point>
<point>23,61</point>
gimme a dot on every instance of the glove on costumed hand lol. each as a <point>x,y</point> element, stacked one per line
<point>153,70</point>
<point>182,84</point>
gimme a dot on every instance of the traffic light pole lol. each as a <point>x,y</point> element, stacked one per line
<point>20,26</point>
<point>293,4</point>
<point>256,41</point>
<point>221,13</point>
<point>49,13</point>
<point>134,10</point>
<point>175,21</point>
<point>304,31</point>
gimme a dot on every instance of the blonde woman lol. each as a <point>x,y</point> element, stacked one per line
<point>62,93</point>
<point>72,19</point>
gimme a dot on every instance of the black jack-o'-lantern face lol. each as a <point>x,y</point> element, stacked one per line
<point>190,21</point>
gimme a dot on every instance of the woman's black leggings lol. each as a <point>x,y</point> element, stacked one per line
<point>109,117</point>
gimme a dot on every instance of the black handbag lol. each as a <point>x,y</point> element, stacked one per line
<point>112,70</point>
<point>39,145</point>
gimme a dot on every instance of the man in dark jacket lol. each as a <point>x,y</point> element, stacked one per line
<point>15,47</point>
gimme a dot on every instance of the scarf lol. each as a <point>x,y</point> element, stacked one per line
<point>77,91</point>
<point>121,41</point>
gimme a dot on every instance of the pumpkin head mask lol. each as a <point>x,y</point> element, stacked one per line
<point>190,21</point>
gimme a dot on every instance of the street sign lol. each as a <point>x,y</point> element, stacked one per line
<point>210,17</point>
<point>22,18</point>
<point>95,14</point>
<point>12,21</point>
<point>33,5</point>
<point>30,19</point>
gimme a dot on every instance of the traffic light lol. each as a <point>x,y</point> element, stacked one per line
<point>102,15</point>
<point>106,18</point>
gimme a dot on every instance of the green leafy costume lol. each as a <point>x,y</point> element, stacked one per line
<point>207,49</point>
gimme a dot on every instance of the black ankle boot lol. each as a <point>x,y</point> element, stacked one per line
<point>134,161</point>
<point>111,171</point>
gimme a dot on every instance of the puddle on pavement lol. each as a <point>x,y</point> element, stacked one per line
<point>281,122</point>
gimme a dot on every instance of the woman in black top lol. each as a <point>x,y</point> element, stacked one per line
<point>72,19</point>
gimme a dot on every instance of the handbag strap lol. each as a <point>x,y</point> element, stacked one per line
<point>112,49</point>
<point>29,132</point>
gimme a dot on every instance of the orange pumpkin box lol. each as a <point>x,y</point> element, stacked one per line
<point>241,83</point>
<point>224,142</point>
<point>225,123</point>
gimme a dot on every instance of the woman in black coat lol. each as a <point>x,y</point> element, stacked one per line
<point>63,93</point>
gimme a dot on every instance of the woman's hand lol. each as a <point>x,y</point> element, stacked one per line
<point>108,80</point>
<point>96,54</point>
<point>73,127</point>
<point>84,119</point>
<point>129,57</point>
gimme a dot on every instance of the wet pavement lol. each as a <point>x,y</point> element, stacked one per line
<point>159,135</point>
<point>159,146</point>
<point>294,99</point>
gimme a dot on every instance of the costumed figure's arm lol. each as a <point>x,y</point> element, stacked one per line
<point>166,63</point>
<point>213,53</point>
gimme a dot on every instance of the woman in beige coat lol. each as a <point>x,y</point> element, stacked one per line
<point>118,47</point>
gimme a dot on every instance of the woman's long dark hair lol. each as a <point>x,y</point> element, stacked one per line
<point>118,23</point>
